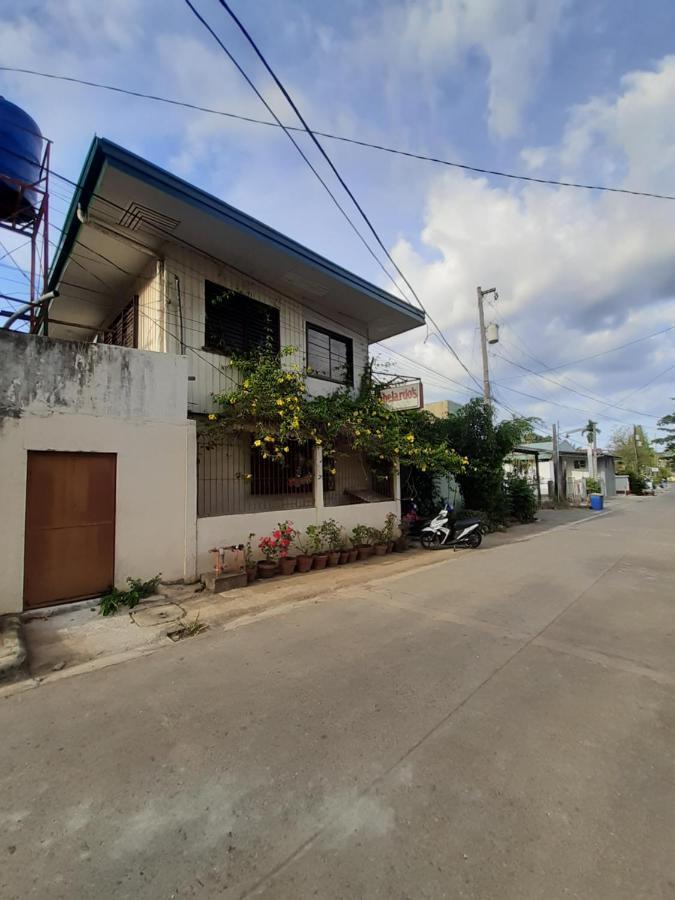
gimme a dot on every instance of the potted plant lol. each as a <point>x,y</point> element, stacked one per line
<point>345,551</point>
<point>388,531</point>
<point>315,538</point>
<point>332,536</point>
<point>379,540</point>
<point>285,534</point>
<point>304,559</point>
<point>269,546</point>
<point>361,541</point>
<point>249,563</point>
<point>402,542</point>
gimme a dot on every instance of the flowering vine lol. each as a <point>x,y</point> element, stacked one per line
<point>272,404</point>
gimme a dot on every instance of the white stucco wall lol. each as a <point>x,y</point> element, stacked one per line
<point>67,396</point>
<point>218,531</point>
<point>209,371</point>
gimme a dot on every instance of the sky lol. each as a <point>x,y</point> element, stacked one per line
<point>572,90</point>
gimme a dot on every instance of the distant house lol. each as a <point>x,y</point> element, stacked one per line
<point>114,392</point>
<point>574,464</point>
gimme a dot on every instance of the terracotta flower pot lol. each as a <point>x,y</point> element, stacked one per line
<point>251,574</point>
<point>287,565</point>
<point>353,555</point>
<point>333,557</point>
<point>363,552</point>
<point>303,563</point>
<point>380,549</point>
<point>401,544</point>
<point>320,560</point>
<point>344,557</point>
<point>267,569</point>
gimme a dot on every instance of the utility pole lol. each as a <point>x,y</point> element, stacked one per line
<point>635,446</point>
<point>556,464</point>
<point>494,337</point>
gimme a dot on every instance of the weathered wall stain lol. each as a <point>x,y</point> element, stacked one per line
<point>46,376</point>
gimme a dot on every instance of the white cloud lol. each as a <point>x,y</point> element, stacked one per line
<point>578,272</point>
<point>424,38</point>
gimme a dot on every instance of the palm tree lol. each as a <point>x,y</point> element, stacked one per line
<point>591,430</point>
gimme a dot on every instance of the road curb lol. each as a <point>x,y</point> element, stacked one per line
<point>13,653</point>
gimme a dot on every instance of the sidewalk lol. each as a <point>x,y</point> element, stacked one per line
<point>68,642</point>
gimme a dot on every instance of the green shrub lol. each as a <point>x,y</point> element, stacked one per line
<point>637,483</point>
<point>593,486</point>
<point>138,590</point>
<point>522,501</point>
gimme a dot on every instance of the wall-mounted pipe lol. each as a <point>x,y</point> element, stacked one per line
<point>45,298</point>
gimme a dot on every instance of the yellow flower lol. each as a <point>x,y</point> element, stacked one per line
<point>265,455</point>
<point>232,401</point>
<point>257,443</point>
<point>247,383</point>
<point>410,437</point>
<point>332,471</point>
<point>280,402</point>
<point>269,438</point>
<point>317,441</point>
<point>357,432</point>
<point>285,449</point>
<point>212,417</point>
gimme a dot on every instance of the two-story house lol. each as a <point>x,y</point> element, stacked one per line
<point>150,265</point>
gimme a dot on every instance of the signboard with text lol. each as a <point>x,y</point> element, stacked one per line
<point>406,395</point>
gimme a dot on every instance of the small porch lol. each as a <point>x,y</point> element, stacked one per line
<point>241,493</point>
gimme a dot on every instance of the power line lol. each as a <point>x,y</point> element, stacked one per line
<point>566,387</point>
<point>299,149</point>
<point>646,385</point>
<point>337,137</point>
<point>317,143</point>
<point>557,403</point>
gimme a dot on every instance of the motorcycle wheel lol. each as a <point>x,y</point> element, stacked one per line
<point>430,541</point>
<point>474,540</point>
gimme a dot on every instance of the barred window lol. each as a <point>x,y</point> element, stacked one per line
<point>329,355</point>
<point>237,324</point>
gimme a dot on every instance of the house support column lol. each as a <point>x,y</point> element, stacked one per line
<point>396,479</point>
<point>317,459</point>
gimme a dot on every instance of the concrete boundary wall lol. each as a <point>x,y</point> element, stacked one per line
<point>218,531</point>
<point>68,396</point>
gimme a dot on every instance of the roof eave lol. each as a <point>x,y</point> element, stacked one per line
<point>103,151</point>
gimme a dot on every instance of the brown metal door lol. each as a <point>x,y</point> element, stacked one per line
<point>70,526</point>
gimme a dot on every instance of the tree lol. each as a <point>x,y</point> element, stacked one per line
<point>667,424</point>
<point>472,432</point>
<point>633,449</point>
<point>591,430</point>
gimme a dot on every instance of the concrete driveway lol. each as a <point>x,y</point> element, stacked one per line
<point>501,725</point>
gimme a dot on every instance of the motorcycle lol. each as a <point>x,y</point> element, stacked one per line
<point>446,531</point>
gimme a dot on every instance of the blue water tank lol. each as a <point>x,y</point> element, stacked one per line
<point>20,159</point>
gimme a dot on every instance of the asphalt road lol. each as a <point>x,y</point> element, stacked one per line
<point>501,725</point>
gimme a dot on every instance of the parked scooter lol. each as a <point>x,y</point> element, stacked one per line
<point>446,531</point>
